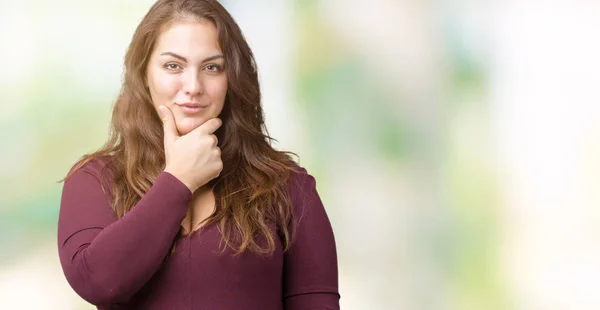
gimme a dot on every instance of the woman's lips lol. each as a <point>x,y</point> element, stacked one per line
<point>191,108</point>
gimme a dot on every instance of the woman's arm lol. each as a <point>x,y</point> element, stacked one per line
<point>310,266</point>
<point>107,260</point>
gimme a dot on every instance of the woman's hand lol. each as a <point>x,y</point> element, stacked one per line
<point>193,158</point>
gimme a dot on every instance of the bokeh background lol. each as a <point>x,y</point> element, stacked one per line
<point>456,144</point>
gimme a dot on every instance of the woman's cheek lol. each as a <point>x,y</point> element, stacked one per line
<point>169,86</point>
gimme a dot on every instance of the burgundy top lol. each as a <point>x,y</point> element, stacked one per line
<point>120,264</point>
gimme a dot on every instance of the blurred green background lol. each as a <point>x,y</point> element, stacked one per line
<point>455,143</point>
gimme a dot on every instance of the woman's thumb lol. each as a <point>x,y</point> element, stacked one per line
<point>162,111</point>
<point>168,123</point>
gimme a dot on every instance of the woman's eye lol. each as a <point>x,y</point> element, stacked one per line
<point>213,68</point>
<point>172,66</point>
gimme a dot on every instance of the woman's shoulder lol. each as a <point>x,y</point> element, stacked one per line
<point>96,165</point>
<point>300,180</point>
<point>305,200</point>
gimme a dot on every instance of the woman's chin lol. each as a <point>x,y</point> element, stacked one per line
<point>185,126</point>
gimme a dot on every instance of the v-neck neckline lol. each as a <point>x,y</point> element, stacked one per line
<point>198,230</point>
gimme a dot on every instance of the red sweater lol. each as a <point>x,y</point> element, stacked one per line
<point>120,264</point>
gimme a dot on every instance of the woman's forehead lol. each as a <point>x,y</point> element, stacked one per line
<point>191,39</point>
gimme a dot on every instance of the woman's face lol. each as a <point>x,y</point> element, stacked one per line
<point>186,73</point>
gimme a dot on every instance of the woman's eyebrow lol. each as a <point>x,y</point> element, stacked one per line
<point>185,60</point>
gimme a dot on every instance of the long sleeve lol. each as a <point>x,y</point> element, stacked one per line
<point>310,266</point>
<point>107,260</point>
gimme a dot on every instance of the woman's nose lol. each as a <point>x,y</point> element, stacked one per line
<point>192,84</point>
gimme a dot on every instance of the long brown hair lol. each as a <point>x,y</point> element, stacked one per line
<point>250,191</point>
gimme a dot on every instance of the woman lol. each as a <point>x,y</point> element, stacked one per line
<point>168,216</point>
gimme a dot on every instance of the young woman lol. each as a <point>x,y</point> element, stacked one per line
<point>187,206</point>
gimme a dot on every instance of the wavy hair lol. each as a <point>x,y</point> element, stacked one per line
<point>251,191</point>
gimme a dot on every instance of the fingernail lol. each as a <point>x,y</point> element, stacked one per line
<point>161,112</point>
